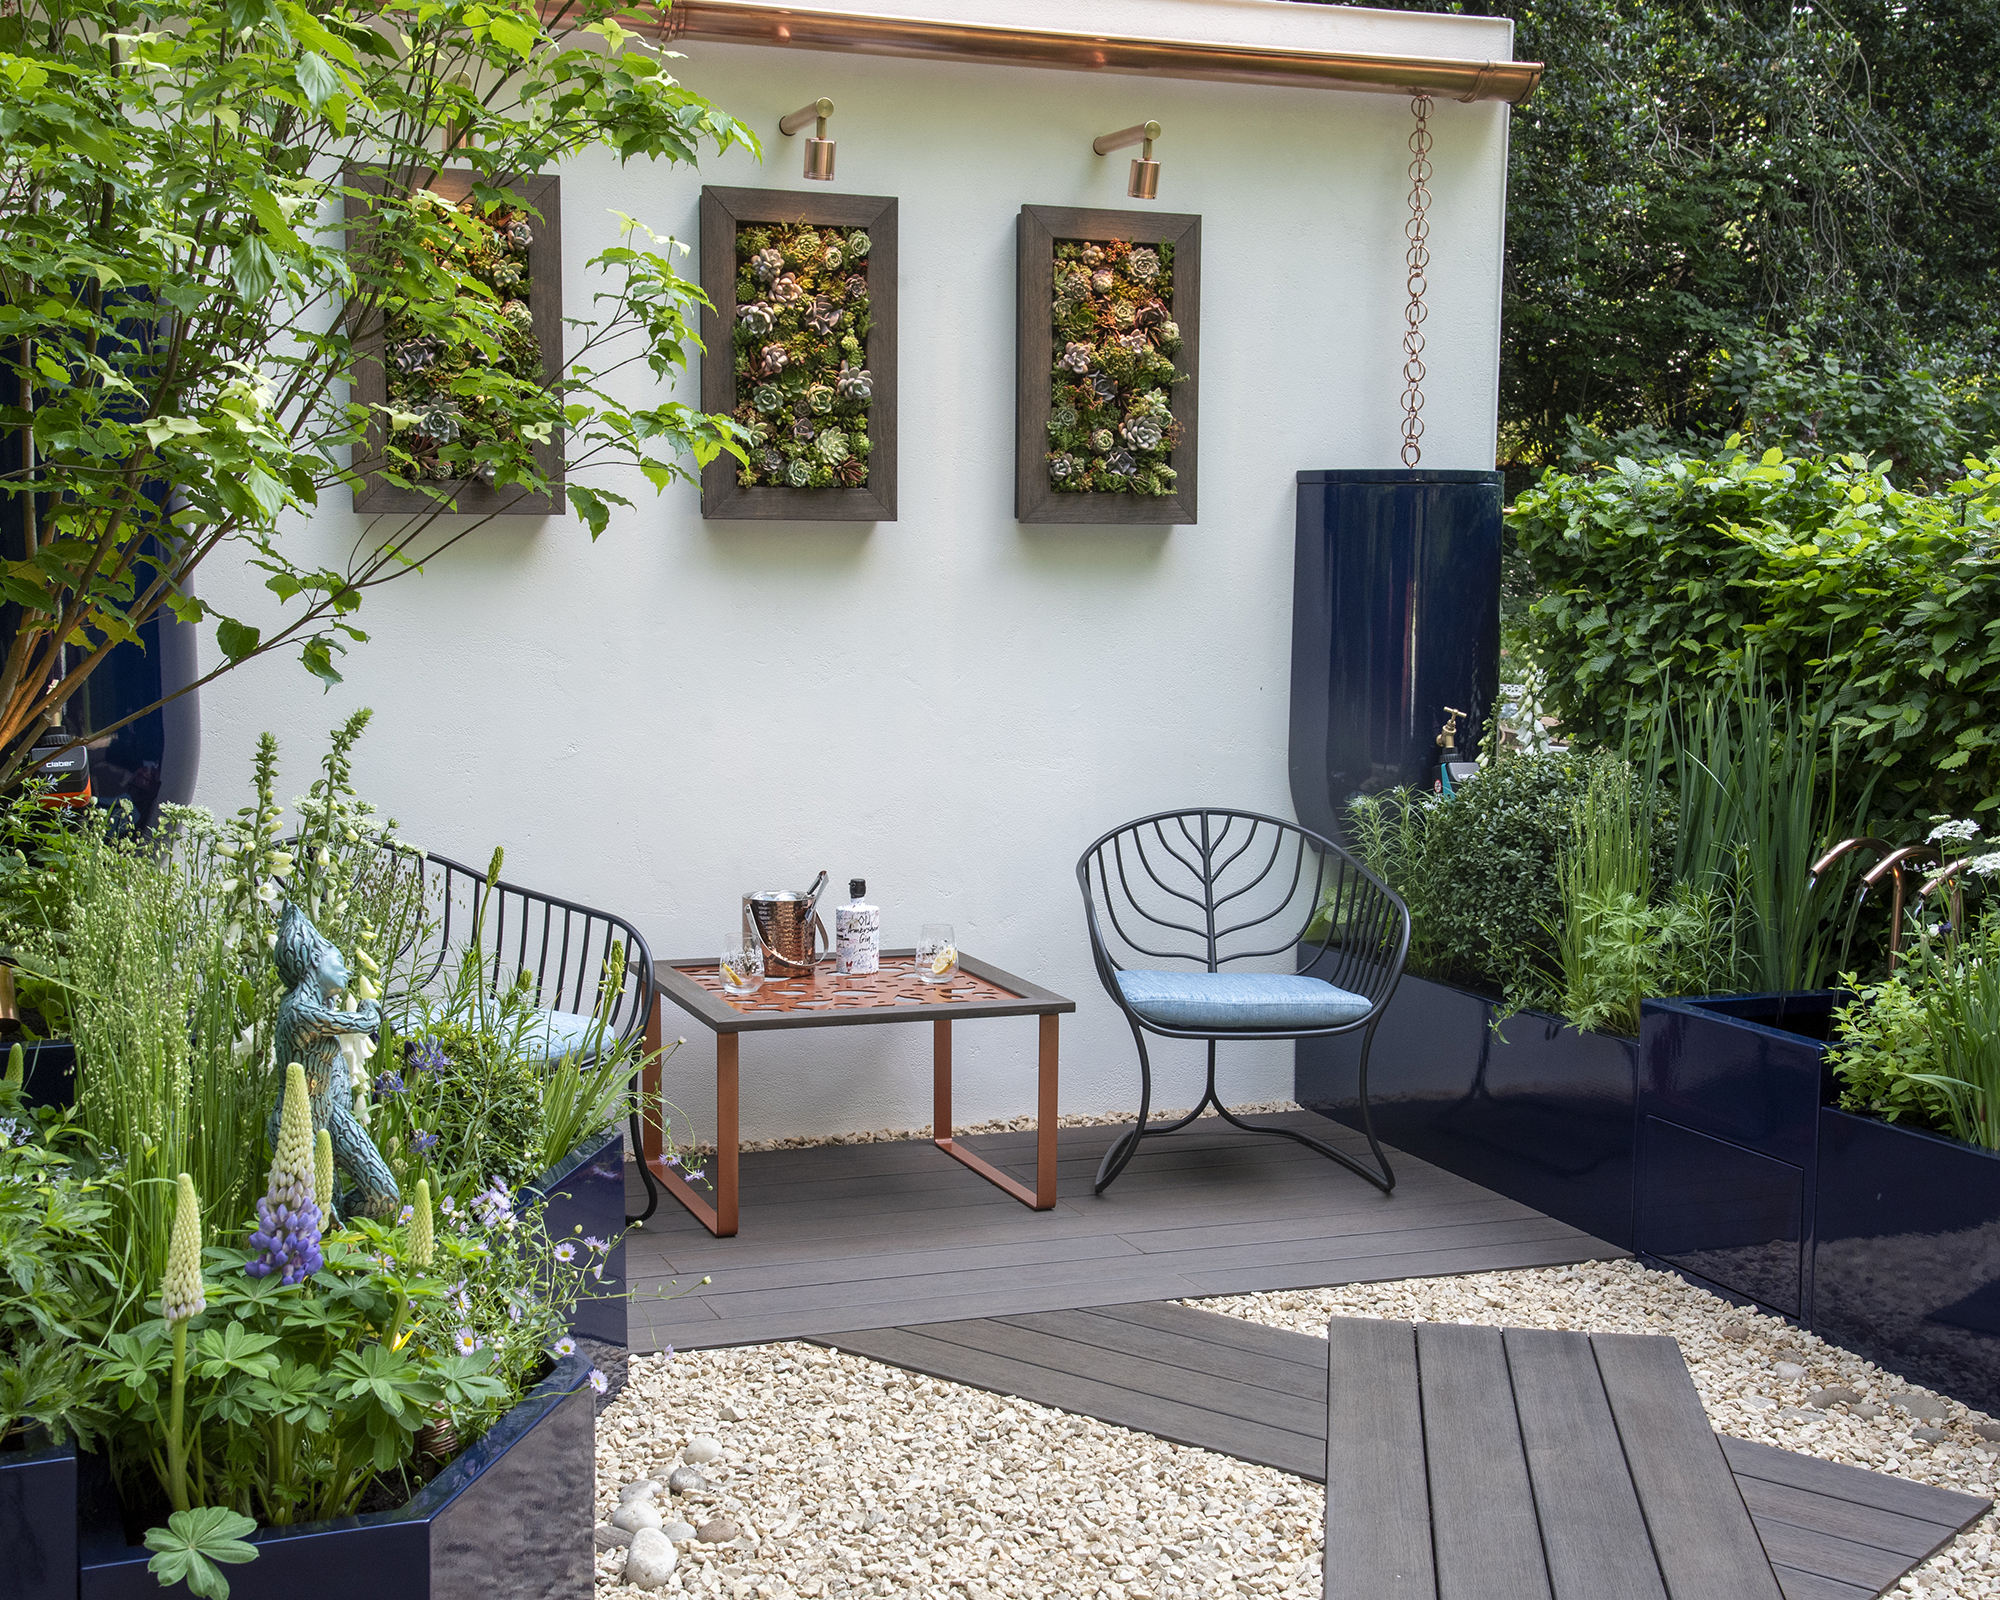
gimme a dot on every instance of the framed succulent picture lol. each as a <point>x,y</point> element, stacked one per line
<point>801,351</point>
<point>1108,336</point>
<point>510,257</point>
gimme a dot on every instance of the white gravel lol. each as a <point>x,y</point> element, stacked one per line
<point>1069,1119</point>
<point>1755,1375</point>
<point>851,1478</point>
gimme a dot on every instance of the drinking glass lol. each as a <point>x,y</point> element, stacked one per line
<point>937,953</point>
<point>742,964</point>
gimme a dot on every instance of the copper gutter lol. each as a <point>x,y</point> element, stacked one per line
<point>757,23</point>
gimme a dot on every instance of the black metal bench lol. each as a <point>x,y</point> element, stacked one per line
<point>1476,1463</point>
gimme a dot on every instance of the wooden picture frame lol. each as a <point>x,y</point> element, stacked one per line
<point>545,305</point>
<point>1036,500</point>
<point>723,211</point>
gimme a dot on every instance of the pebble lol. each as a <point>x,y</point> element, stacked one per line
<point>1731,1353</point>
<point>1929,1435</point>
<point>644,1489</point>
<point>677,1531</point>
<point>1833,1396</point>
<point>650,1562</point>
<point>702,1451</point>
<point>609,1537</point>
<point>720,1531</point>
<point>636,1514</point>
<point>685,1480</point>
<point>974,1496</point>
<point>731,1412</point>
<point>1789,1371</point>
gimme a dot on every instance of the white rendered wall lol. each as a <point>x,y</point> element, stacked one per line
<point>951,705</point>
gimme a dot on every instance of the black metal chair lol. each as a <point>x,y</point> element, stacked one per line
<point>1206,888</point>
<point>565,946</point>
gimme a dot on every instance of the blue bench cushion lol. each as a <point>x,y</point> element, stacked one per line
<point>1239,1000</point>
<point>551,1035</point>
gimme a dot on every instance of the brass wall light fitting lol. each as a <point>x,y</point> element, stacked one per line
<point>819,148</point>
<point>1145,182</point>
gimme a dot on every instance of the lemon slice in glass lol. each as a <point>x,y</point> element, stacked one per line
<point>729,976</point>
<point>944,961</point>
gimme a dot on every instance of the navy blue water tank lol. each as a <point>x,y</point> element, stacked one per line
<point>1395,615</point>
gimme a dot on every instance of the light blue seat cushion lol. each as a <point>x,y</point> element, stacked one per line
<point>550,1035</point>
<point>1239,1000</point>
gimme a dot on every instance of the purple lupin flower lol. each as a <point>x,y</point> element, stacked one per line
<point>288,1221</point>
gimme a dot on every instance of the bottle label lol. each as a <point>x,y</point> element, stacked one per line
<point>857,934</point>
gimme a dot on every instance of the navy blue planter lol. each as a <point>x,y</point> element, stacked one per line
<point>1541,1112</point>
<point>1906,1259</point>
<point>510,1517</point>
<point>586,1199</point>
<point>48,1072</point>
<point>1729,1096</point>
<point>38,1522</point>
<point>1395,615</point>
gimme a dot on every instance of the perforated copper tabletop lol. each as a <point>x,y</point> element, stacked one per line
<point>893,994</point>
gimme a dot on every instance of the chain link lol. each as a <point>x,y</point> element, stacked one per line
<point>1418,231</point>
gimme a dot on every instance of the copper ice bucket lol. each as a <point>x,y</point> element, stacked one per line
<point>788,929</point>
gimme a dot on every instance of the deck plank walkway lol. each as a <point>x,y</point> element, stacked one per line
<point>842,1237</point>
<point>1833,1532</point>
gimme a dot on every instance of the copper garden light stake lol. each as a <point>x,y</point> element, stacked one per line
<point>1418,231</point>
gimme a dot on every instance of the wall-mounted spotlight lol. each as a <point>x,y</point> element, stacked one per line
<point>1145,184</point>
<point>819,148</point>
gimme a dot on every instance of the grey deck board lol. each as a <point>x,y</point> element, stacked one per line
<point>1707,1545</point>
<point>1378,1544</point>
<point>1833,1532</point>
<point>1575,1457</point>
<point>1484,1528</point>
<point>839,1238</point>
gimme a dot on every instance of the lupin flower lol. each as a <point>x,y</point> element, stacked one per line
<point>288,1220</point>
<point>323,1172</point>
<point>181,1299</point>
<point>423,1244</point>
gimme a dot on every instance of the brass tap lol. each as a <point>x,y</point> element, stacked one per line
<point>1447,739</point>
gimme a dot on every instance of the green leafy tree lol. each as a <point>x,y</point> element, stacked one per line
<point>183,301</point>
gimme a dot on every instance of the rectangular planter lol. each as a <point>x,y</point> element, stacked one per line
<point>1729,1095</point>
<point>38,1522</point>
<point>511,1516</point>
<point>1540,1111</point>
<point>1906,1254</point>
<point>586,1199</point>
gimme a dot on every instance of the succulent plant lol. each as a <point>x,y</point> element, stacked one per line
<point>1144,264</point>
<point>1075,357</point>
<point>517,312</point>
<point>804,246</point>
<point>786,290</point>
<point>1134,343</point>
<point>1103,388</point>
<point>803,431</point>
<point>1153,403</point>
<point>1101,280</point>
<point>440,424</point>
<point>757,317</point>
<point>1064,417</point>
<point>819,399</point>
<point>506,273</point>
<point>858,245</point>
<point>1091,255</point>
<point>1143,433</point>
<point>1169,336</point>
<point>1063,466</point>
<point>518,233</point>
<point>824,316</point>
<point>1151,314</point>
<point>414,355</point>
<point>772,461</point>
<point>1123,316</point>
<point>854,383</point>
<point>834,256</point>
<point>798,473</point>
<point>832,447</point>
<point>771,360</point>
<point>1101,440</point>
<point>765,265</point>
<point>853,473</point>
<point>1120,464</point>
<point>767,398</point>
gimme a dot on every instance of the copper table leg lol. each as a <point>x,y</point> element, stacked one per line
<point>720,1218</point>
<point>1043,1196</point>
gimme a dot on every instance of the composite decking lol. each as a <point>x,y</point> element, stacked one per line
<point>1832,1532</point>
<point>846,1237</point>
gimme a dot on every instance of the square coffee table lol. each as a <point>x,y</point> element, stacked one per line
<point>828,1000</point>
